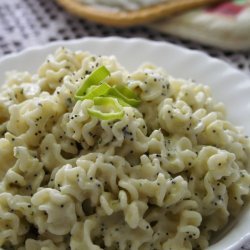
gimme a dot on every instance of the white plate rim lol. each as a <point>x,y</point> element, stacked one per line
<point>140,43</point>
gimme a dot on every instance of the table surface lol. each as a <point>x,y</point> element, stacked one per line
<point>25,23</point>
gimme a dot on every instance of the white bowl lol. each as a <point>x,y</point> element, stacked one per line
<point>228,85</point>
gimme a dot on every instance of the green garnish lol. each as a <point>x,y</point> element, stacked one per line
<point>95,91</point>
<point>109,101</point>
<point>95,78</point>
<point>106,108</point>
<point>125,94</point>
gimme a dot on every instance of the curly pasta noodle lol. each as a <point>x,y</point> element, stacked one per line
<point>168,175</point>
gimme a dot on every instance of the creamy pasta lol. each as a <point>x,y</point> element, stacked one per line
<point>167,175</point>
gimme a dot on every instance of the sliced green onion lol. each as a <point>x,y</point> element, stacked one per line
<point>123,104</point>
<point>95,78</point>
<point>125,94</point>
<point>95,91</point>
<point>106,108</point>
<point>108,101</point>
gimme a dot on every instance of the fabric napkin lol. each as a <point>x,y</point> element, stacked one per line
<point>225,25</point>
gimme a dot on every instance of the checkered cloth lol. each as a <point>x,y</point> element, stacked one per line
<point>24,23</point>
